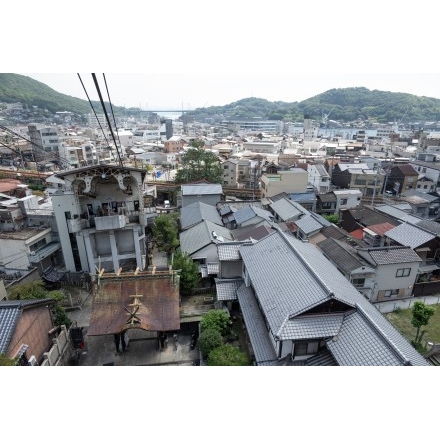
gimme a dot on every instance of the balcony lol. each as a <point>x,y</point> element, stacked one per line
<point>109,222</point>
<point>77,224</point>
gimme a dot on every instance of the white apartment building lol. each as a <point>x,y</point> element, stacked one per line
<point>101,218</point>
<point>47,139</point>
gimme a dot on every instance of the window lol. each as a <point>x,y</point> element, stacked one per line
<point>344,201</point>
<point>403,272</point>
<point>358,282</point>
<point>392,292</point>
<point>304,348</point>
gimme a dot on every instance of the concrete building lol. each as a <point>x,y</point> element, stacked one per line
<point>294,180</point>
<point>47,139</point>
<point>101,218</point>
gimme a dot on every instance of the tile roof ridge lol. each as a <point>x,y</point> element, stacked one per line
<point>307,265</point>
<point>380,332</point>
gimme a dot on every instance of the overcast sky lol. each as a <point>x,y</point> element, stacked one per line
<point>189,54</point>
<point>158,91</point>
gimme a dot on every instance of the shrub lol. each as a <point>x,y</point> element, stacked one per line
<point>217,320</point>
<point>209,340</point>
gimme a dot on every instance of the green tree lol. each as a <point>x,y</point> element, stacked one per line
<point>215,319</point>
<point>6,362</point>
<point>332,218</point>
<point>165,230</point>
<point>421,313</point>
<point>189,275</point>
<point>227,356</point>
<point>209,340</point>
<point>36,290</point>
<point>199,164</point>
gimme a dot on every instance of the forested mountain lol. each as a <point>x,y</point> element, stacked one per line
<point>344,105</point>
<point>28,91</point>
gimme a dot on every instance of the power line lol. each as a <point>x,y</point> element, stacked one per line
<point>111,108</point>
<point>91,105</point>
<point>106,117</point>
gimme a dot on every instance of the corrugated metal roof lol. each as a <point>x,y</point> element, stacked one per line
<point>159,309</point>
<point>201,189</point>
<point>409,235</point>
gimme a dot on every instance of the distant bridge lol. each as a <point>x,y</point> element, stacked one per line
<point>160,111</point>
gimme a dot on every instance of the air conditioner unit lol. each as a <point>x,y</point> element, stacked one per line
<point>32,361</point>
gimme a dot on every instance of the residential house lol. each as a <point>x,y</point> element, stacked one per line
<point>200,243</point>
<point>285,210</point>
<point>174,144</point>
<point>250,215</point>
<point>428,169</point>
<point>347,199</point>
<point>309,225</point>
<point>400,178</point>
<point>307,200</point>
<point>290,181</point>
<point>423,242</point>
<point>26,329</point>
<point>319,178</point>
<point>422,205</point>
<point>208,193</point>
<point>326,203</point>
<point>396,271</point>
<point>298,309</point>
<point>196,213</point>
<point>358,176</point>
<point>363,217</point>
<point>354,268</point>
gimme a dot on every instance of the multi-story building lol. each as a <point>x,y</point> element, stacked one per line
<point>101,218</point>
<point>291,181</point>
<point>318,178</point>
<point>254,125</point>
<point>45,142</point>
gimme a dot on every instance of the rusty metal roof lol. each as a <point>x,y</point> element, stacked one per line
<point>114,306</point>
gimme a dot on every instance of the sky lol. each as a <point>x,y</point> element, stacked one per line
<point>190,90</point>
<point>193,54</point>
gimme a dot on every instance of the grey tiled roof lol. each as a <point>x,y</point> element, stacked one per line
<point>229,251</point>
<point>311,327</point>
<point>262,346</point>
<point>213,268</point>
<point>307,197</point>
<point>392,210</point>
<point>200,235</point>
<point>391,254</point>
<point>286,209</point>
<point>10,312</point>
<point>9,317</point>
<point>290,277</point>
<point>197,212</point>
<point>368,338</point>
<point>409,235</point>
<point>254,231</point>
<point>278,263</point>
<point>201,189</point>
<point>311,223</point>
<point>430,226</point>
<point>227,288</point>
<point>247,213</point>
<point>345,260</point>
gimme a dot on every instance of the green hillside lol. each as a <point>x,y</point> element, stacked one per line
<point>20,88</point>
<point>346,105</point>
